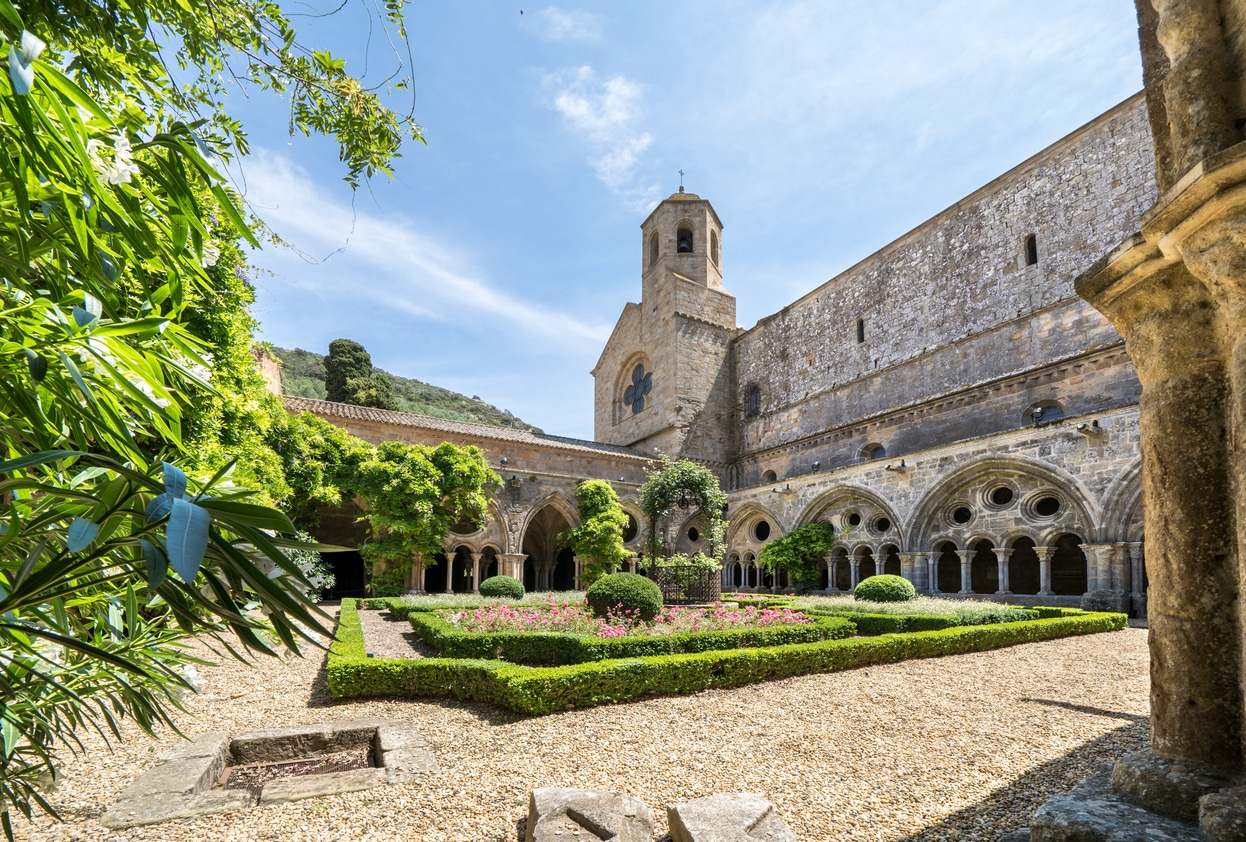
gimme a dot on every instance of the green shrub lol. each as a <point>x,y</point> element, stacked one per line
<point>541,690</point>
<point>388,583</point>
<point>885,588</point>
<point>555,648</point>
<point>625,592</point>
<point>502,586</point>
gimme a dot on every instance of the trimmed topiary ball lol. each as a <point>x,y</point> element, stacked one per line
<point>885,588</point>
<point>507,587</point>
<point>631,591</point>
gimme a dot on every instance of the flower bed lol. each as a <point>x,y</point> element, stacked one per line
<point>540,690</point>
<point>573,618</point>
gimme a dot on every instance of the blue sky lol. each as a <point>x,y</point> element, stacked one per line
<point>498,258</point>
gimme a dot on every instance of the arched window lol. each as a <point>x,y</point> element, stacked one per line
<point>653,249</point>
<point>714,247</point>
<point>1043,412</point>
<point>860,331</point>
<point>1031,250</point>
<point>769,476</point>
<point>873,451</point>
<point>752,400</point>
<point>683,241</point>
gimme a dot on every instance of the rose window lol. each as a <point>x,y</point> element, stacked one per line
<point>642,384</point>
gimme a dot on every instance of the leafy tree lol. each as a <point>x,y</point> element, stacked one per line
<point>112,213</point>
<point>413,494</point>
<point>347,361</point>
<point>598,540</point>
<point>375,390</point>
<point>800,551</point>
<point>684,484</point>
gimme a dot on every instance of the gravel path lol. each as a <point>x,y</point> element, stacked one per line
<point>960,748</point>
<point>387,637</point>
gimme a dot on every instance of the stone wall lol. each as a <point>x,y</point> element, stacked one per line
<point>954,297</point>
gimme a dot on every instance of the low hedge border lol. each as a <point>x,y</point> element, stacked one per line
<point>543,690</point>
<point>560,648</point>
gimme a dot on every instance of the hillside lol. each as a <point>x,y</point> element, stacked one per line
<point>302,374</point>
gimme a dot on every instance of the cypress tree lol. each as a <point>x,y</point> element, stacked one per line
<point>347,360</point>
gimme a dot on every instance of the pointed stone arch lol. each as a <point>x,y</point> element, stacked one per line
<point>740,534</point>
<point>928,522</point>
<point>873,507</point>
<point>1122,507</point>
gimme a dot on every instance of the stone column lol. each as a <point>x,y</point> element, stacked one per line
<point>911,568</point>
<point>1174,331</point>
<point>1098,568</point>
<point>579,571</point>
<point>1001,556</point>
<point>476,572</point>
<point>1120,568</point>
<point>450,573</point>
<point>1044,569</point>
<point>511,564</point>
<point>417,567</point>
<point>966,570</point>
<point>855,566</point>
<point>932,573</point>
<point>1136,578</point>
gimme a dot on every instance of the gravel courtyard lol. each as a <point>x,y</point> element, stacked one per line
<point>960,748</point>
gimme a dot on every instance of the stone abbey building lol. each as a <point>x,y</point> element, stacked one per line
<point>948,403</point>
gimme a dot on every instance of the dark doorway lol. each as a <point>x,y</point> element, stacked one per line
<point>984,569</point>
<point>348,571</point>
<point>563,578</point>
<point>892,564</point>
<point>949,569</point>
<point>488,564</point>
<point>865,566</point>
<point>1068,567</point>
<point>1023,567</point>
<point>435,574</point>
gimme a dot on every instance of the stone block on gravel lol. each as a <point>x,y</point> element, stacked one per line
<point>353,733</point>
<point>316,786</point>
<point>1222,815</point>
<point>727,817</point>
<point>272,744</point>
<point>177,777</point>
<point>203,745</point>
<point>405,764</point>
<point>392,737</point>
<point>156,808</point>
<point>1169,787</point>
<point>1091,812</point>
<point>556,814</point>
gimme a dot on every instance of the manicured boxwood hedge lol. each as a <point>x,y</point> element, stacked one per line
<point>541,690</point>
<point>554,648</point>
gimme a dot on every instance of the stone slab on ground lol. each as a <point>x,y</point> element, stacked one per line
<point>1092,812</point>
<point>191,767</point>
<point>157,807</point>
<point>1222,815</point>
<point>556,814</point>
<point>1169,787</point>
<point>316,786</point>
<point>727,817</point>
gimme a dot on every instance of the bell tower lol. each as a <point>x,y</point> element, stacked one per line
<point>662,383</point>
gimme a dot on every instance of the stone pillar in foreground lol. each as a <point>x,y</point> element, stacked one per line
<point>932,573</point>
<point>511,564</point>
<point>1044,569</point>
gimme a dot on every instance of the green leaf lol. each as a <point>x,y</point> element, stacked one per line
<point>81,533</point>
<point>186,538</point>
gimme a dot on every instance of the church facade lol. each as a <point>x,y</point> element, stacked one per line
<point>948,403</point>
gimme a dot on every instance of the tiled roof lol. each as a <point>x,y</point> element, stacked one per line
<point>406,419</point>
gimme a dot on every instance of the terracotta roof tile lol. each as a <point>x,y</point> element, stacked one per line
<point>406,419</point>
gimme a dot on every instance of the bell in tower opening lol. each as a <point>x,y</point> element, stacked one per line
<point>684,241</point>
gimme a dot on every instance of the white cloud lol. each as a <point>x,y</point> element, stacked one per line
<point>606,115</point>
<point>404,269</point>
<point>555,24</point>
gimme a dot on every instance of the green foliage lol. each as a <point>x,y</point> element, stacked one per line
<point>673,482</point>
<point>388,583</point>
<point>318,573</point>
<point>319,460</point>
<point>542,690</point>
<point>375,390</point>
<point>800,552</point>
<point>415,493</point>
<point>505,587</point>
<point>884,588</point>
<point>123,343</point>
<point>598,539</point>
<point>554,648</point>
<point>966,612</point>
<point>347,361</point>
<point>303,374</point>
<point>625,592</point>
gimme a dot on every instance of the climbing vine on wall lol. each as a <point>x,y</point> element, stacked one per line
<point>800,551</point>
<point>687,486</point>
<point>598,540</point>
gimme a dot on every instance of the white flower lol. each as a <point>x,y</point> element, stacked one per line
<point>117,168</point>
<point>193,676</point>
<point>211,254</point>
<point>145,387</point>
